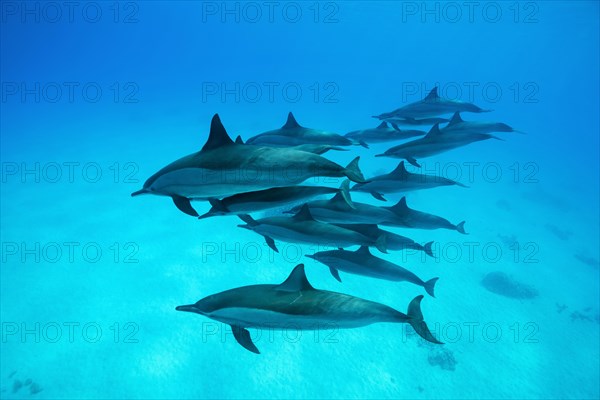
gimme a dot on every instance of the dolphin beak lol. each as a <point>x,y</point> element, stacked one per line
<point>141,191</point>
<point>188,308</point>
<point>204,215</point>
<point>245,226</point>
<point>310,256</point>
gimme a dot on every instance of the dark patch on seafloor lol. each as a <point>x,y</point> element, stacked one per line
<point>505,285</point>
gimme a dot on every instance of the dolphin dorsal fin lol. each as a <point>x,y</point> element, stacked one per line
<point>382,125</point>
<point>363,250</point>
<point>291,122</point>
<point>434,131</point>
<point>433,95</point>
<point>304,214</point>
<point>218,135</point>
<point>239,140</point>
<point>401,205</point>
<point>400,169</point>
<point>456,119</point>
<point>296,281</point>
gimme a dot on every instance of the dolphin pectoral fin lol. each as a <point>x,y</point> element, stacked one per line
<point>363,144</point>
<point>413,162</point>
<point>415,319</point>
<point>395,126</point>
<point>248,219</point>
<point>184,205</point>
<point>271,244</point>
<point>381,244</point>
<point>243,337</point>
<point>378,196</point>
<point>335,273</point>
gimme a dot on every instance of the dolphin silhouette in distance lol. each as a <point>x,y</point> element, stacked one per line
<point>362,262</point>
<point>431,106</point>
<point>401,180</point>
<point>249,202</point>
<point>393,241</point>
<point>296,304</point>
<point>223,168</point>
<point>435,142</point>
<point>383,133</point>
<point>293,134</point>
<point>458,125</point>
<point>303,228</point>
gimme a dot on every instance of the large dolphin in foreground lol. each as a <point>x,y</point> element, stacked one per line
<point>249,202</point>
<point>401,180</point>
<point>458,125</point>
<point>303,228</point>
<point>435,142</point>
<point>431,106</point>
<point>223,168</point>
<point>293,134</point>
<point>393,241</point>
<point>362,262</point>
<point>409,218</point>
<point>295,304</point>
<point>382,134</point>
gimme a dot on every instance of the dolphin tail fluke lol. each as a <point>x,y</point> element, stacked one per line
<point>381,243</point>
<point>243,337</point>
<point>461,228</point>
<point>428,247</point>
<point>429,286</point>
<point>353,172</point>
<point>184,205</point>
<point>415,319</point>
<point>345,192</point>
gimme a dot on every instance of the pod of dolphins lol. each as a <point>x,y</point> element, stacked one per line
<point>266,172</point>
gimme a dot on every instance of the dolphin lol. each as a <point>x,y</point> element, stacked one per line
<point>245,203</point>
<point>382,134</point>
<point>410,218</point>
<point>311,148</point>
<point>293,134</point>
<point>303,228</point>
<point>435,142</point>
<point>393,241</point>
<point>362,262</point>
<point>400,180</point>
<point>431,106</point>
<point>411,121</point>
<point>458,125</point>
<point>341,209</point>
<point>223,168</point>
<point>295,303</point>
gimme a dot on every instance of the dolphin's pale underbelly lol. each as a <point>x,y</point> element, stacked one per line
<point>261,318</point>
<point>203,183</point>
<point>345,217</point>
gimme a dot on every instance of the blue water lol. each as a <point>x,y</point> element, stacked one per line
<point>97,98</point>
